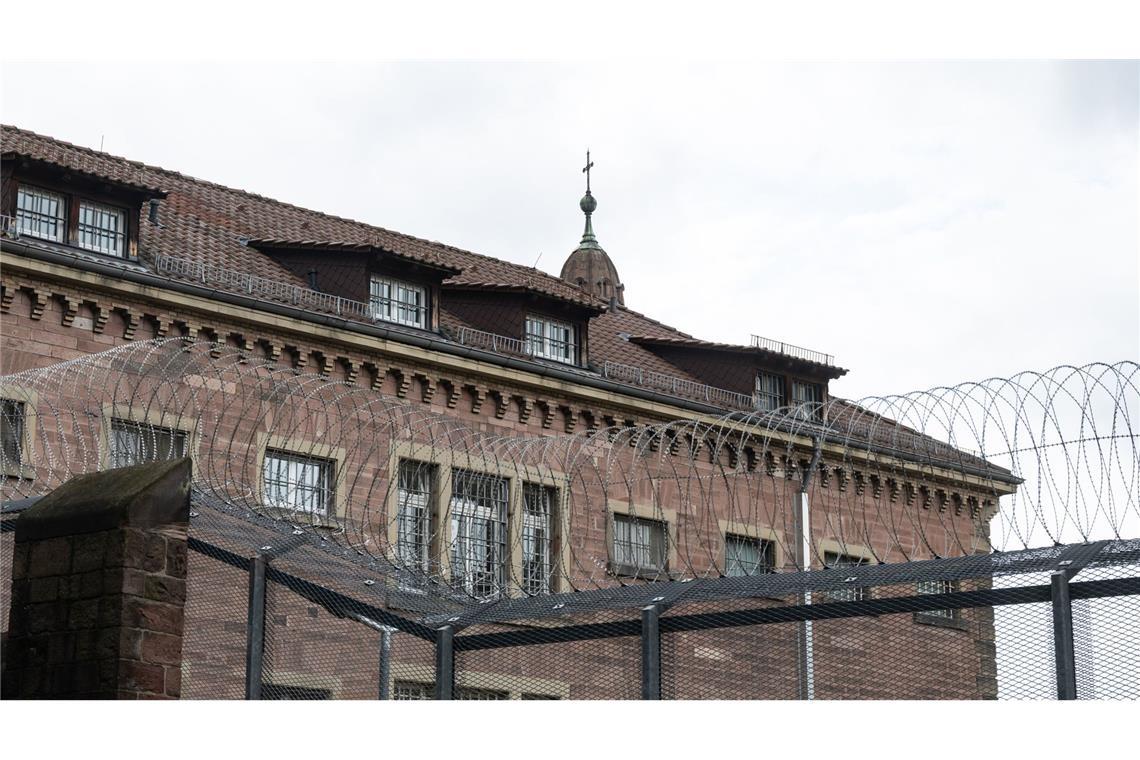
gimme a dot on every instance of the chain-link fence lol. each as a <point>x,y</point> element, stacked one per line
<point>276,612</point>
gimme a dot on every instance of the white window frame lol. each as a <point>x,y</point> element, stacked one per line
<point>764,552</point>
<point>414,492</point>
<point>479,552</point>
<point>552,339</point>
<point>91,232</point>
<point>398,301</point>
<point>807,399</point>
<point>769,391</point>
<point>290,492</point>
<point>537,523</point>
<point>32,221</point>
<point>631,555</point>
<point>131,443</point>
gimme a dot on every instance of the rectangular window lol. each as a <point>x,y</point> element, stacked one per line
<point>467,692</point>
<point>413,543</point>
<point>748,556</point>
<point>136,443</point>
<point>538,502</point>
<point>807,398</point>
<point>41,214</point>
<point>102,229</point>
<point>938,587</point>
<point>769,392</point>
<point>478,533</point>
<point>550,339</point>
<point>853,594</point>
<point>298,482</point>
<point>413,690</point>
<point>639,545</point>
<point>12,431</point>
<point>399,302</point>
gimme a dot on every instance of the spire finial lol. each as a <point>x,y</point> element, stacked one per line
<point>588,204</point>
<point>586,169</point>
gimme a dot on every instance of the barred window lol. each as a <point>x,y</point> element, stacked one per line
<point>938,587</point>
<point>769,392</point>
<point>41,214</point>
<point>748,556</point>
<point>12,431</point>
<point>102,229</point>
<point>639,544</point>
<point>282,691</point>
<point>413,543</point>
<point>550,339</point>
<point>538,502</point>
<point>807,397</point>
<point>412,690</point>
<point>137,442</point>
<point>854,593</point>
<point>466,692</point>
<point>478,533</point>
<point>399,302</point>
<point>302,483</point>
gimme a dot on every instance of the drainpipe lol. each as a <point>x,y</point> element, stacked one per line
<point>801,507</point>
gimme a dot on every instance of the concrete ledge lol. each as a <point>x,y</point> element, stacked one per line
<point>143,496</point>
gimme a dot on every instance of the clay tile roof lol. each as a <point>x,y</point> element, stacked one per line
<point>121,179</point>
<point>207,221</point>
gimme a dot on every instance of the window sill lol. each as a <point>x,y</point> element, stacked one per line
<point>938,621</point>
<point>641,573</point>
<point>19,471</point>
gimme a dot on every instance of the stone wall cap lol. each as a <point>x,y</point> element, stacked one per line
<point>142,496</point>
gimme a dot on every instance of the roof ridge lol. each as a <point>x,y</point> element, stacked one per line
<point>659,323</point>
<point>365,225</point>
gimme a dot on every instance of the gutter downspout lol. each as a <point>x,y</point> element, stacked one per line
<point>801,507</point>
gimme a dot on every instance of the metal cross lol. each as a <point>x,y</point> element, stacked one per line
<point>589,165</point>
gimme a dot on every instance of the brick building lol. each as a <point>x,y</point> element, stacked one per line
<point>99,251</point>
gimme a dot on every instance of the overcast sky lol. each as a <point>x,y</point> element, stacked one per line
<point>926,223</point>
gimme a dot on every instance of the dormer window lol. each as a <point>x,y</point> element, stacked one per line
<point>550,339</point>
<point>769,394</point>
<point>102,229</point>
<point>808,398</point>
<point>397,301</point>
<point>41,214</point>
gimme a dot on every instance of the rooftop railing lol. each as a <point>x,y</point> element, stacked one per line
<point>500,344</point>
<point>251,284</point>
<point>676,386</point>
<point>789,350</point>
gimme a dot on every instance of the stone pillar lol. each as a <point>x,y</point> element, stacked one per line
<point>98,588</point>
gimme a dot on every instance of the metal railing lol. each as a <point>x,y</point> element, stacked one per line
<point>676,386</point>
<point>500,344</point>
<point>789,350</point>
<point>8,227</point>
<point>251,284</point>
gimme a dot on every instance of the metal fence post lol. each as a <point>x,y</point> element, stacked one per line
<point>444,662</point>
<point>255,628</point>
<point>385,661</point>
<point>651,652</point>
<point>1064,651</point>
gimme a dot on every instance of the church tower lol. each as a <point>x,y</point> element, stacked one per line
<point>589,267</point>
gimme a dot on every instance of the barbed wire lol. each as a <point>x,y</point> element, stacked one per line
<point>1019,462</point>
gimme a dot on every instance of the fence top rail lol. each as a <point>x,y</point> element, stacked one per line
<point>773,585</point>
